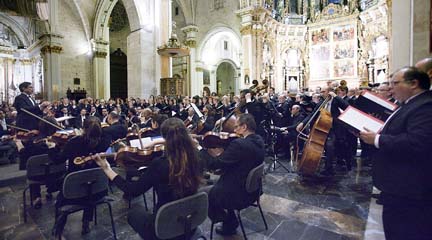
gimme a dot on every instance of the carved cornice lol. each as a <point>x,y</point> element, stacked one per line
<point>100,54</point>
<point>190,43</point>
<point>51,49</point>
<point>6,50</point>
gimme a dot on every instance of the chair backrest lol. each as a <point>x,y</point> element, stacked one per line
<point>178,217</point>
<point>253,180</point>
<point>41,165</point>
<point>84,183</point>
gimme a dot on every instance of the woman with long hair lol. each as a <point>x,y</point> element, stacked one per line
<point>173,176</point>
<point>92,141</point>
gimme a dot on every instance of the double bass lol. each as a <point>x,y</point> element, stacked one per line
<point>315,141</point>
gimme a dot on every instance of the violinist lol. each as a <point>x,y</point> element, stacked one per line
<point>173,176</point>
<point>236,161</point>
<point>208,121</point>
<point>191,121</point>
<point>156,123</point>
<point>79,121</point>
<point>146,118</point>
<point>6,145</point>
<point>34,147</point>
<point>132,117</point>
<point>116,130</point>
<point>93,140</point>
<point>337,130</point>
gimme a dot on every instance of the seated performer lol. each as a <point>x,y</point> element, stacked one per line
<point>35,146</point>
<point>241,156</point>
<point>174,175</point>
<point>116,130</point>
<point>92,141</point>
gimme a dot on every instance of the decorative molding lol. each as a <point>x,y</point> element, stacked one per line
<point>100,54</point>
<point>51,49</point>
<point>6,50</point>
<point>190,43</point>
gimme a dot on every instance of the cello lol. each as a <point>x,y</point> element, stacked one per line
<point>315,141</point>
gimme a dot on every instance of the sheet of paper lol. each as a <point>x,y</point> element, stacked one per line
<point>360,120</point>
<point>136,142</point>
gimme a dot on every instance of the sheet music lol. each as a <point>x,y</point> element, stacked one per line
<point>145,141</point>
<point>387,104</point>
<point>197,111</point>
<point>360,120</point>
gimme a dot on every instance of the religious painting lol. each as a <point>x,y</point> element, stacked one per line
<point>344,68</point>
<point>343,33</point>
<point>320,71</point>
<point>344,50</point>
<point>206,77</point>
<point>320,53</point>
<point>320,36</point>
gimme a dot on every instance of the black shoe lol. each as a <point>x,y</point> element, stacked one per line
<point>85,228</point>
<point>327,172</point>
<point>37,203</point>
<point>224,231</point>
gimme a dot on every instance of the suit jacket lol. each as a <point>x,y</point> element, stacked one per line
<point>402,164</point>
<point>79,122</point>
<point>241,156</point>
<point>116,131</point>
<point>24,120</point>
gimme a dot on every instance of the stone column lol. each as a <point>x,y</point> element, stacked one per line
<point>251,33</point>
<point>195,86</point>
<point>401,40</point>
<point>51,51</point>
<point>101,67</point>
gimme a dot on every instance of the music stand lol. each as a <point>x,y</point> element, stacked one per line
<point>276,163</point>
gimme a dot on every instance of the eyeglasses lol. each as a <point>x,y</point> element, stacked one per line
<point>394,83</point>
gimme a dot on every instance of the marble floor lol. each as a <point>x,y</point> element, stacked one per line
<point>328,208</point>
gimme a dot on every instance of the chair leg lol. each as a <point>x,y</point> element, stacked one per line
<point>112,220</point>
<point>241,224</point>
<point>25,204</point>
<point>145,202</point>
<point>262,214</point>
<point>95,215</point>
<point>211,230</point>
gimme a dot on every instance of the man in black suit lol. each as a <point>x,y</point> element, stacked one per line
<point>79,121</point>
<point>337,130</point>
<point>402,161</point>
<point>25,101</point>
<point>116,130</point>
<point>239,158</point>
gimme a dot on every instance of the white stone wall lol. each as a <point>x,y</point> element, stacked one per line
<point>119,39</point>
<point>76,61</point>
<point>421,33</point>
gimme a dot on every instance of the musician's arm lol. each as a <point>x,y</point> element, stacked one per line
<point>230,156</point>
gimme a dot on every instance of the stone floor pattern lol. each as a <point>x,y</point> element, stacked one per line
<point>329,208</point>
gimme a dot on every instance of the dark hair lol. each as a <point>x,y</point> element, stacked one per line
<point>92,131</point>
<point>159,119</point>
<point>248,120</point>
<point>113,115</point>
<point>413,73</point>
<point>47,129</point>
<point>184,171</point>
<point>133,111</point>
<point>23,86</point>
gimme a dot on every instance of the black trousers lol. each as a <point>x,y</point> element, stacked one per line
<point>411,221</point>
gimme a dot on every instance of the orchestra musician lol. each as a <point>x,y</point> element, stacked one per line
<point>337,130</point>
<point>402,159</point>
<point>93,140</point>
<point>173,176</point>
<point>34,146</point>
<point>241,156</point>
<point>26,101</point>
<point>208,119</point>
<point>115,130</point>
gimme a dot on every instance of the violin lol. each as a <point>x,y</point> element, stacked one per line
<point>128,156</point>
<point>216,139</point>
<point>26,136</point>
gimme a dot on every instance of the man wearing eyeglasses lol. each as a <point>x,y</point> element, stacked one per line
<point>403,159</point>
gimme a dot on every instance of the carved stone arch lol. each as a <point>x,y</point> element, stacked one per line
<point>188,8</point>
<point>16,28</point>
<point>213,32</point>
<point>103,13</point>
<point>74,4</point>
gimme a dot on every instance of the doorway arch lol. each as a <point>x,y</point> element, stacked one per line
<point>226,78</point>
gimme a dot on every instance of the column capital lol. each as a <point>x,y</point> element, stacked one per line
<point>191,35</point>
<point>51,49</point>
<point>100,54</point>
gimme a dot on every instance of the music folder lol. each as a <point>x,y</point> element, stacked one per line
<point>358,120</point>
<point>371,103</point>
